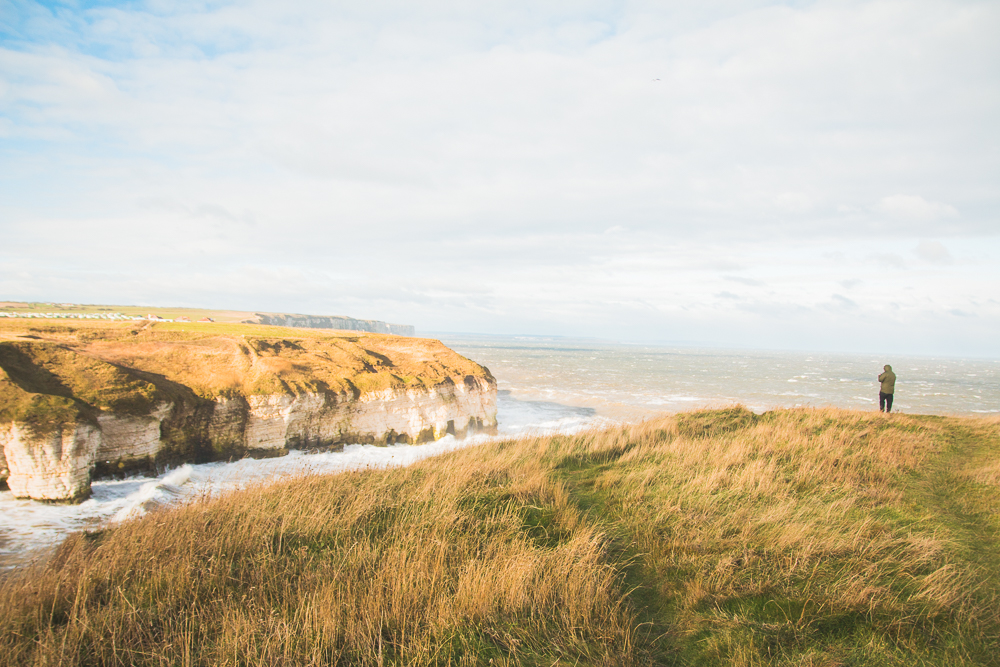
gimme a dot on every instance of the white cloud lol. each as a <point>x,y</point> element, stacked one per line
<point>793,202</point>
<point>911,208</point>
<point>933,251</point>
<point>841,301</point>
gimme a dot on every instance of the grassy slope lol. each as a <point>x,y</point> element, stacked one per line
<point>54,371</point>
<point>802,537</point>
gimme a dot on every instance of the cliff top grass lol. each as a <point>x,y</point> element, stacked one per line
<point>53,371</point>
<point>798,537</point>
<point>170,313</point>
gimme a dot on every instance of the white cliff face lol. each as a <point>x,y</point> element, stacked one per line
<point>455,409</point>
<point>267,422</point>
<point>53,465</point>
<point>57,465</point>
<point>332,322</point>
<point>278,421</point>
<point>128,437</point>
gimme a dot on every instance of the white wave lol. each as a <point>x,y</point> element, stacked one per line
<point>155,494</point>
<point>668,400</point>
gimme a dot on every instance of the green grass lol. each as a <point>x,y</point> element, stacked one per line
<point>750,558</point>
<point>798,537</point>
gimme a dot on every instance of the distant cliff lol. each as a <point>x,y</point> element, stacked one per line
<point>330,322</point>
<point>87,399</point>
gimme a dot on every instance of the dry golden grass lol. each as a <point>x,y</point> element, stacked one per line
<point>363,568</point>
<point>984,471</point>
<point>801,537</point>
<point>131,366</point>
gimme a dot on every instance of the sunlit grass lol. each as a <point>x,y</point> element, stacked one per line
<point>800,537</point>
<point>54,372</point>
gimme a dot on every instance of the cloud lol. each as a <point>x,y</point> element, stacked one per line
<point>721,264</point>
<point>840,301</point>
<point>508,111</point>
<point>744,281</point>
<point>793,202</point>
<point>913,208</point>
<point>889,259</point>
<point>933,251</point>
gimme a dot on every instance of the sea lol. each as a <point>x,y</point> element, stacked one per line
<point>629,382</point>
<point>549,385</point>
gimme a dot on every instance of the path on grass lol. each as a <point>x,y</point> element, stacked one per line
<point>969,510</point>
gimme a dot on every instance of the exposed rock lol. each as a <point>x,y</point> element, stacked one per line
<point>51,464</point>
<point>78,401</point>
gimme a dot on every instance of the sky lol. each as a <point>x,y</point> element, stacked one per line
<point>783,175</point>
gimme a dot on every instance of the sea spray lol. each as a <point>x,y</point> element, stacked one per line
<point>155,494</point>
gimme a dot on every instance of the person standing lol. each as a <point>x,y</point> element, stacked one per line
<point>888,380</point>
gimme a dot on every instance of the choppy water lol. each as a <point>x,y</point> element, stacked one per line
<point>547,386</point>
<point>632,381</point>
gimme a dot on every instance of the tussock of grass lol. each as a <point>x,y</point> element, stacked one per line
<point>801,537</point>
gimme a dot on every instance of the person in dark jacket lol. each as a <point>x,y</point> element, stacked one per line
<point>888,380</point>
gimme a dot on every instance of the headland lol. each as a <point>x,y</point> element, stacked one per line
<point>83,398</point>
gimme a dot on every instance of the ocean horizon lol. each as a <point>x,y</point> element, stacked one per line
<point>629,381</point>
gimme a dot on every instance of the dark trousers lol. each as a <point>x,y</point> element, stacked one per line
<point>884,402</point>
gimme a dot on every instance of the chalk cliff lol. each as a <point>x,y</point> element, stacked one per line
<point>98,399</point>
<point>330,322</point>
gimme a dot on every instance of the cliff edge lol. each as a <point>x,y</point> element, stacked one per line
<point>87,399</point>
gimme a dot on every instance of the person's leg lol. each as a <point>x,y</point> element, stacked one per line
<point>888,402</point>
<point>881,402</point>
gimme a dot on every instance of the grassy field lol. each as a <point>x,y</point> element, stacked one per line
<point>799,537</point>
<point>195,314</point>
